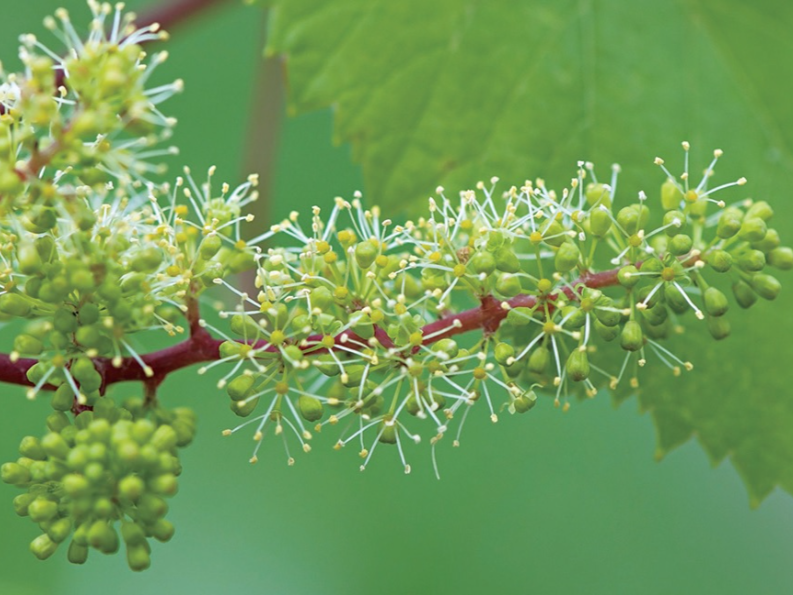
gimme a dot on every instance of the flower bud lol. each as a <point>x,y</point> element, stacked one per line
<point>656,315</point>
<point>675,220</point>
<point>310,408</point>
<point>760,209</point>
<point>14,304</point>
<point>42,509</point>
<point>55,446</point>
<point>607,333</point>
<point>77,554</point>
<point>164,438</point>
<point>597,194</point>
<point>627,276</point>
<point>719,327</point>
<point>671,196</point>
<point>240,387</point>
<point>752,261</point>
<point>85,373</point>
<point>525,402</point>
<point>719,260</point>
<point>674,299</point>
<point>567,257</point>
<point>781,258</point>
<point>131,487</point>
<point>508,285</point>
<point>14,474</point>
<point>577,365</point>
<point>447,346</point>
<point>506,260</point>
<point>729,222</point>
<point>28,345</point>
<point>210,246</point>
<point>770,241</point>
<point>744,294</point>
<point>539,359</point>
<point>365,253</point>
<point>752,229</point>
<point>321,297</point>
<point>715,302</point>
<point>631,338</point>
<point>599,222</point>
<point>147,260</point>
<point>162,530</point>
<point>138,557</point>
<point>766,286</point>
<point>483,262</point>
<point>388,434</point>
<point>680,244</point>
<point>43,547</point>
<point>503,352</point>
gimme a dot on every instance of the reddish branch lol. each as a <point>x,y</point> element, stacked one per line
<point>202,347</point>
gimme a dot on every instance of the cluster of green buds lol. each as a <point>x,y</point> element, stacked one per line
<point>110,466</point>
<point>388,334</point>
<point>359,323</point>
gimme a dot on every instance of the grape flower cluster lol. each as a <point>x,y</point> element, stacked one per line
<point>381,333</point>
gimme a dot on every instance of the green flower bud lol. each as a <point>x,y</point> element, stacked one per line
<point>520,316</point>
<point>719,327</point>
<point>483,262</point>
<point>88,336</point>
<point>321,297</point>
<point>607,314</point>
<point>55,446</point>
<point>210,246</point>
<point>680,244</point>
<point>656,315</point>
<point>781,258</point>
<point>766,286</point>
<point>244,326</point>
<point>652,265</point>
<point>388,433</point>
<point>744,294</point>
<point>240,387</point>
<point>14,304</point>
<point>752,230</point>
<point>631,338</point>
<point>577,365</point>
<point>516,368</point>
<point>447,346</point>
<point>89,314</point>
<point>760,209</point>
<point>165,484</point>
<point>671,196</point>
<point>28,345</point>
<point>574,317</point>
<point>506,260</point>
<point>675,220</point>
<point>729,222</point>
<point>132,533</point>
<point>131,487</point>
<point>77,554</point>
<point>30,447</point>
<point>752,261</point>
<point>162,530</point>
<point>503,352</point>
<point>538,360</point>
<point>310,408</point>
<point>103,537</point>
<point>607,333</point>
<point>14,474</point>
<point>365,253</point>
<point>138,557</point>
<point>85,373</point>
<point>42,509</point>
<point>60,529</point>
<point>567,256</point>
<point>660,331</point>
<point>715,302</point>
<point>597,194</point>
<point>164,438</point>
<point>244,408</point>
<point>599,222</point>
<point>719,260</point>
<point>525,402</point>
<point>644,295</point>
<point>147,260</point>
<point>627,276</point>
<point>29,259</point>
<point>57,421</point>
<point>674,299</point>
<point>508,285</point>
<point>43,547</point>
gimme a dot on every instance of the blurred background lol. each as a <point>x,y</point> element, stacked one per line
<point>542,503</point>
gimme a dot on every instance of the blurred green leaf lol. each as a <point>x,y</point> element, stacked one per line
<point>450,92</point>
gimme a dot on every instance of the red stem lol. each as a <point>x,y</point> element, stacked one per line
<point>202,347</point>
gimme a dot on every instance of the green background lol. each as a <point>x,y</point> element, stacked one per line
<point>543,503</point>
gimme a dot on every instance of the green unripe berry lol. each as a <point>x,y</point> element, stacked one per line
<point>752,229</point>
<point>483,263</point>
<point>577,365</point>
<point>310,408</point>
<point>744,294</point>
<point>567,256</point>
<point>671,196</point>
<point>715,301</point>
<point>719,327</point>
<point>781,258</point>
<point>766,286</point>
<point>631,338</point>
<point>508,285</point>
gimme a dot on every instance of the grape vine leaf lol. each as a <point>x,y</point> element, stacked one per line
<point>452,91</point>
